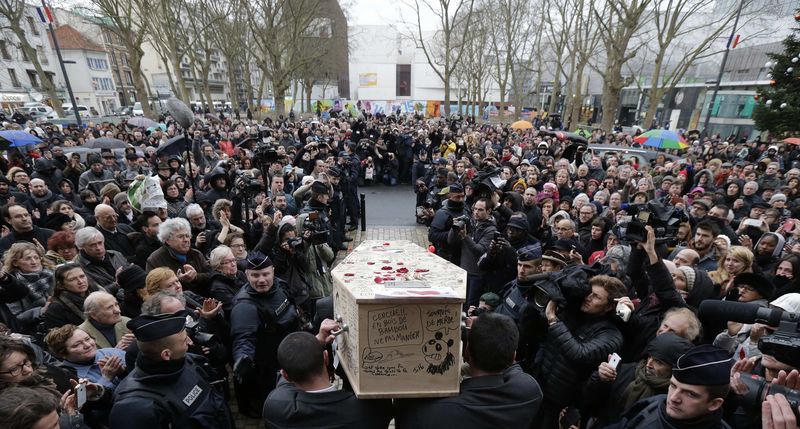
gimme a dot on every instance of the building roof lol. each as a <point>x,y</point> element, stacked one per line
<point>70,38</point>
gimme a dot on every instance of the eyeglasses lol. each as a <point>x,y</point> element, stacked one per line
<point>238,246</point>
<point>17,370</point>
<point>229,261</point>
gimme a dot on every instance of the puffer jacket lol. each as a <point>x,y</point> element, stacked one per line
<point>314,261</point>
<point>573,348</point>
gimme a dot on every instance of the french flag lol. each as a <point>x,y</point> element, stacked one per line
<point>44,14</point>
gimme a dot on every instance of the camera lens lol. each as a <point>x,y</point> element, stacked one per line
<point>540,298</point>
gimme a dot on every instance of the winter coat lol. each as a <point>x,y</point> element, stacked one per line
<point>163,257</point>
<point>440,228</point>
<point>314,261</point>
<point>102,274</point>
<point>571,352</point>
<point>474,245</point>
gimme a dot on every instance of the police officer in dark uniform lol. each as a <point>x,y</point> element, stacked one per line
<point>700,382</point>
<point>169,388</point>
<point>262,316</point>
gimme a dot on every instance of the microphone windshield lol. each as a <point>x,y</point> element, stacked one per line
<point>180,112</point>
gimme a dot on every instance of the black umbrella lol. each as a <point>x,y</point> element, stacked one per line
<point>248,143</point>
<point>173,146</point>
<point>212,118</point>
<point>141,122</point>
<point>105,143</point>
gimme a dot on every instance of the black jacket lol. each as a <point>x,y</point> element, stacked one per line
<point>289,407</point>
<point>508,400</point>
<point>42,235</point>
<point>574,346</point>
<point>650,413</point>
<point>11,290</point>
<point>474,245</point>
<point>440,228</point>
<point>171,398</point>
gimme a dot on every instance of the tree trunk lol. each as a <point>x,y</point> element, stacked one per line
<point>556,89</point>
<point>182,93</point>
<point>447,96</point>
<point>656,92</point>
<point>612,85</point>
<point>232,84</point>
<point>138,78</point>
<point>577,105</point>
<point>279,93</point>
<point>308,86</point>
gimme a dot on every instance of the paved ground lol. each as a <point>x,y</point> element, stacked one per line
<point>390,216</point>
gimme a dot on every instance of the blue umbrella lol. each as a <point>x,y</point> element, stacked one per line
<point>18,138</point>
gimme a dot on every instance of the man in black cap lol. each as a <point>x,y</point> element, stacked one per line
<point>452,215</point>
<point>498,394</point>
<point>261,318</point>
<point>700,382</point>
<point>305,397</point>
<point>515,294</point>
<point>169,387</point>
<point>499,263</point>
<point>615,390</point>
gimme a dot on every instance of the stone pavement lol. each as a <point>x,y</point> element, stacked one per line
<point>416,234</point>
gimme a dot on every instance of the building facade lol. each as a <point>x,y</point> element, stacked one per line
<point>19,81</point>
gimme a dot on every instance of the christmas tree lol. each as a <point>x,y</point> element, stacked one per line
<point>778,108</point>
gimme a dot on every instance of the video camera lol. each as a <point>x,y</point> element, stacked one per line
<point>460,222</point>
<point>319,231</point>
<point>198,336</point>
<point>783,344</point>
<point>663,220</point>
<point>568,285</point>
<point>486,182</point>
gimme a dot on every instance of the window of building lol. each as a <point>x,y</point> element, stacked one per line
<point>97,63</point>
<point>24,55</point>
<point>32,24</point>
<point>102,84</point>
<point>13,75</point>
<point>4,50</point>
<point>403,77</point>
<point>33,78</point>
<point>129,78</point>
<point>124,59</point>
<point>42,56</point>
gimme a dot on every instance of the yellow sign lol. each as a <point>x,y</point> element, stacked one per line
<point>367,80</point>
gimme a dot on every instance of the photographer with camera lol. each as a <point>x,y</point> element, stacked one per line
<point>658,291</point>
<point>474,237</point>
<point>498,263</point>
<point>452,216</point>
<point>579,336</point>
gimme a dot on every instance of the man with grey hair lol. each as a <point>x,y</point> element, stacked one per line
<point>116,234</point>
<point>178,255</point>
<point>100,265</point>
<point>104,321</point>
<point>204,231</point>
<point>742,206</point>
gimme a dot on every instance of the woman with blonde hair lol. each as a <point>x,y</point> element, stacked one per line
<point>739,259</point>
<point>24,264</point>
<point>164,279</point>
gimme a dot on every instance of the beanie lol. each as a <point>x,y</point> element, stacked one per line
<point>690,275</point>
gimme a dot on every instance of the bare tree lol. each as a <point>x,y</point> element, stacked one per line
<point>230,37</point>
<point>582,47</point>
<point>126,21</point>
<point>14,13</point>
<point>559,26</point>
<point>511,22</point>
<point>690,27</point>
<point>618,21</point>
<point>170,41</point>
<point>284,32</point>
<point>443,51</point>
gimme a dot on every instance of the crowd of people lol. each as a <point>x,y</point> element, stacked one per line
<point>585,274</point>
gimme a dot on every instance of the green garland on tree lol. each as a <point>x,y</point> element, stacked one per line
<point>778,108</point>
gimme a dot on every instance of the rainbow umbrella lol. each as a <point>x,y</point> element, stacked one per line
<point>664,139</point>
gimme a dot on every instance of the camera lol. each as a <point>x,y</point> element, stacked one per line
<point>295,242</point>
<point>783,345</point>
<point>664,221</point>
<point>319,231</point>
<point>460,222</point>
<point>248,183</point>
<point>568,285</point>
<point>198,337</point>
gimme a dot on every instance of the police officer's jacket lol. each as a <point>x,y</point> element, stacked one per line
<point>258,319</point>
<point>170,395</point>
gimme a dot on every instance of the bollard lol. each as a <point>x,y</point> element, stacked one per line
<point>363,212</point>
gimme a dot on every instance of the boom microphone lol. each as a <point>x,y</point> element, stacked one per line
<point>743,312</point>
<point>180,112</point>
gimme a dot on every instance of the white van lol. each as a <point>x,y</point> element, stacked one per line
<point>83,111</point>
<point>137,109</point>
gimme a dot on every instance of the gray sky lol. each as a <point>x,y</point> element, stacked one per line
<point>386,12</point>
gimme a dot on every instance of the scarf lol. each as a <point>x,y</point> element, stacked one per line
<point>179,256</point>
<point>39,283</point>
<point>643,386</point>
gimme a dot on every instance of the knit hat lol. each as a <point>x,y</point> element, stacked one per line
<point>132,278</point>
<point>120,199</point>
<point>491,299</point>
<point>777,197</point>
<point>690,275</point>
<point>725,238</point>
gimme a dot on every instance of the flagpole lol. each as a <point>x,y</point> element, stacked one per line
<point>46,13</point>
<point>704,133</point>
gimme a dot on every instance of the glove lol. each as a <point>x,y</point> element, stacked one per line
<point>242,368</point>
